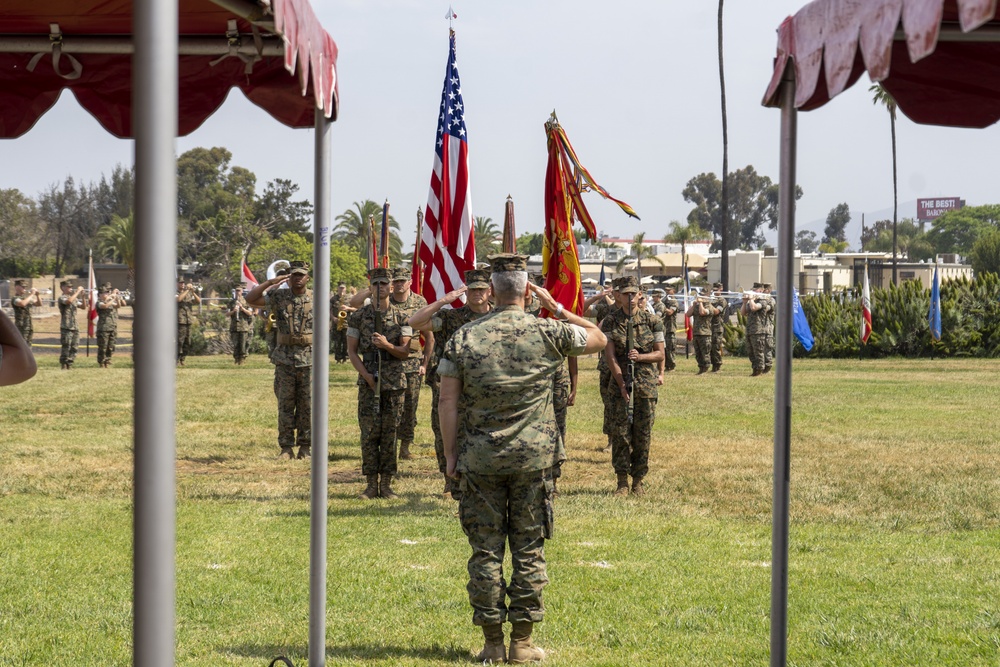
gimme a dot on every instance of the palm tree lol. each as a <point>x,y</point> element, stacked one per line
<point>882,96</point>
<point>685,234</point>
<point>833,246</point>
<point>116,240</point>
<point>352,229</point>
<point>485,234</point>
<point>638,251</point>
<point>724,204</point>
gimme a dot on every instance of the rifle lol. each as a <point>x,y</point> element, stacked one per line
<point>630,378</point>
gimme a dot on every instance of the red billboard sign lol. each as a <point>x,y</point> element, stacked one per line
<point>929,209</point>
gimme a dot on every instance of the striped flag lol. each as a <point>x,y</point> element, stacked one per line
<point>866,310</point>
<point>248,279</point>
<point>448,248</point>
<point>91,299</point>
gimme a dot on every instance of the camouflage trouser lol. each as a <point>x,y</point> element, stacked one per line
<point>560,401</point>
<point>769,352</point>
<point>607,384</point>
<point>27,333</point>
<point>411,397</point>
<point>68,339</point>
<point>378,431</point>
<point>293,388</point>
<point>272,342</point>
<point>669,363</point>
<point>630,442</point>
<point>435,383</point>
<point>105,345</point>
<point>183,341</point>
<point>703,351</point>
<point>241,344</point>
<point>496,510</point>
<point>758,351</point>
<point>338,344</point>
<point>717,338</point>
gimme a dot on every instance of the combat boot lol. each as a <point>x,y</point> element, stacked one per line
<point>286,453</point>
<point>371,491</point>
<point>494,652</point>
<point>521,648</point>
<point>305,451</point>
<point>637,489</point>
<point>755,373</point>
<point>385,487</point>
<point>622,489</point>
<point>767,369</point>
<point>404,451</point>
<point>716,369</point>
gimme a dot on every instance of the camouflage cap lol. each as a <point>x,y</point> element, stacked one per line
<point>766,287</point>
<point>628,285</point>
<point>106,287</point>
<point>716,285</point>
<point>380,275</point>
<point>298,267</point>
<point>756,286</point>
<point>508,262</point>
<point>401,273</point>
<point>616,284</point>
<point>66,283</point>
<point>477,279</point>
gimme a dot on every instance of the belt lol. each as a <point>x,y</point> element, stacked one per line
<point>289,339</point>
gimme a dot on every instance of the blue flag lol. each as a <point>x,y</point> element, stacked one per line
<point>601,280</point>
<point>800,325</point>
<point>934,316</point>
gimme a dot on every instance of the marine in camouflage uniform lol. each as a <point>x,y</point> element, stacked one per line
<point>769,351</point>
<point>720,305</point>
<point>292,357</point>
<point>108,303</point>
<point>409,304</point>
<point>501,439</point>
<point>756,310</point>
<point>670,330</point>
<point>22,303</point>
<point>338,335</point>
<point>240,325</point>
<point>69,333</point>
<point>701,312</point>
<point>600,311</point>
<point>630,441</point>
<point>442,322</point>
<point>379,330</point>
<point>187,297</point>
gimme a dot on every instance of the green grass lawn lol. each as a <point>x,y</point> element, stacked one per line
<point>895,533</point>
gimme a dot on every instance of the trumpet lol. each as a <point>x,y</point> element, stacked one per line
<point>341,320</point>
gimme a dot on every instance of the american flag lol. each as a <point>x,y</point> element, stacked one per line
<point>447,245</point>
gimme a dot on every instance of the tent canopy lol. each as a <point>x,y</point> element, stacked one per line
<point>85,46</point>
<point>939,59</point>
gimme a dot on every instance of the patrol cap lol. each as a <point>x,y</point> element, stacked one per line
<point>18,283</point>
<point>508,262</point>
<point>616,284</point>
<point>716,285</point>
<point>66,283</point>
<point>380,275</point>
<point>628,285</point>
<point>401,273</point>
<point>298,267</point>
<point>766,287</point>
<point>658,292</point>
<point>477,279</point>
<point>106,287</point>
<point>757,286</point>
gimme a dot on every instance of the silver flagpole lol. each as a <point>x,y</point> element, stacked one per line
<point>783,374</point>
<point>320,394</point>
<point>154,117</point>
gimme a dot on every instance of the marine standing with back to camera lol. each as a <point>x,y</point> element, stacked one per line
<point>501,441</point>
<point>292,357</point>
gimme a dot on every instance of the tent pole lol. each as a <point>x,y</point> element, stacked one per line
<point>320,394</point>
<point>155,120</point>
<point>783,373</point>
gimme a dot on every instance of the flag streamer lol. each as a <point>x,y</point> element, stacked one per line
<point>383,250</point>
<point>934,315</point>
<point>866,310</point>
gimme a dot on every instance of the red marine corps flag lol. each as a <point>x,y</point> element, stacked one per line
<point>447,248</point>
<point>565,181</point>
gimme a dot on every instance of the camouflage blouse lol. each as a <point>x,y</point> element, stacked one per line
<point>293,316</point>
<point>107,317</point>
<point>701,325</point>
<point>720,303</point>
<point>240,322</point>
<point>647,331</point>
<point>185,314</point>
<point>506,362</point>
<point>670,320</point>
<point>413,303</point>
<point>67,312</point>
<point>758,321</point>
<point>444,324</point>
<point>22,314</point>
<point>393,325</point>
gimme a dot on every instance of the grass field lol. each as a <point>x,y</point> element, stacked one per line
<point>895,506</point>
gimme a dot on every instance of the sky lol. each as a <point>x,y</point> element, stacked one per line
<point>635,85</point>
